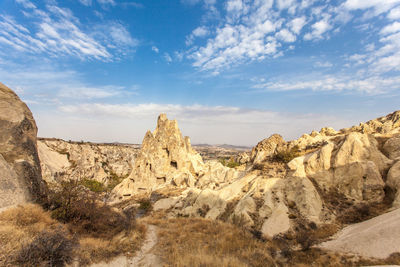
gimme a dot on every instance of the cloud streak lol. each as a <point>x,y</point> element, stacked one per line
<point>57,32</point>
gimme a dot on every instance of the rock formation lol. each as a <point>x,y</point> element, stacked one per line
<point>267,148</point>
<point>351,164</point>
<point>165,158</point>
<point>20,174</point>
<point>61,160</point>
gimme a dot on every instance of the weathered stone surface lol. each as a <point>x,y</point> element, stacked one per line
<point>20,165</point>
<point>393,181</point>
<point>266,148</point>
<point>61,160</point>
<point>389,124</point>
<point>377,237</point>
<point>392,147</point>
<point>214,175</point>
<point>163,158</point>
<point>354,166</point>
<point>278,222</point>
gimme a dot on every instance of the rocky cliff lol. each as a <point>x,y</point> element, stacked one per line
<point>20,173</point>
<point>105,163</point>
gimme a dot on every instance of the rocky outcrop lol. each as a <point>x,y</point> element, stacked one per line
<point>392,147</point>
<point>20,173</point>
<point>389,124</point>
<point>267,148</point>
<point>165,158</point>
<point>377,237</point>
<point>393,181</point>
<point>61,160</point>
<point>354,166</point>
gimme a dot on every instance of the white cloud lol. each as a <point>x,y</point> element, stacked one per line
<point>394,13</point>
<point>26,4</point>
<point>86,2</point>
<point>286,36</point>
<point>297,24</point>
<point>198,32</point>
<point>155,49</point>
<point>323,64</point>
<point>318,29</point>
<point>392,28</point>
<point>107,2</point>
<point>369,85</point>
<point>167,57</point>
<point>58,32</point>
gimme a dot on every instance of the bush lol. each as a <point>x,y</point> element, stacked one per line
<point>287,155</point>
<point>47,249</point>
<point>93,185</point>
<point>229,163</point>
<point>145,205</point>
<point>69,203</point>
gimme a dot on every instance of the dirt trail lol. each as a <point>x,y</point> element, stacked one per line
<point>143,258</point>
<point>146,257</point>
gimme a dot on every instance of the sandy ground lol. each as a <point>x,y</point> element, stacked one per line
<point>378,237</point>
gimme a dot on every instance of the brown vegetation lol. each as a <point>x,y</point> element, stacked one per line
<point>201,242</point>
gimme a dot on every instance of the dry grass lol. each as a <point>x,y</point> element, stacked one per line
<point>97,249</point>
<point>28,231</point>
<point>201,242</point>
<point>20,226</point>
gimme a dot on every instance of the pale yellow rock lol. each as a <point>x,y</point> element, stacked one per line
<point>164,158</point>
<point>243,209</point>
<point>53,164</point>
<point>302,192</point>
<point>392,147</point>
<point>266,148</point>
<point>20,168</point>
<point>376,238</point>
<point>393,181</point>
<point>277,223</point>
<point>61,160</point>
<point>165,203</point>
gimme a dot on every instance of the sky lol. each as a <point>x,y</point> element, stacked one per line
<point>231,72</point>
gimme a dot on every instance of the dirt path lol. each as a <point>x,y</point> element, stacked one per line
<point>143,258</point>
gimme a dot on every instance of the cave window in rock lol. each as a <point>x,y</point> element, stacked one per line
<point>174,164</point>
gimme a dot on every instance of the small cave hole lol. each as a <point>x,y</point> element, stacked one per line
<point>174,164</point>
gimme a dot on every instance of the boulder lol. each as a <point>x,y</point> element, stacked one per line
<point>353,165</point>
<point>267,148</point>
<point>393,181</point>
<point>392,147</point>
<point>21,178</point>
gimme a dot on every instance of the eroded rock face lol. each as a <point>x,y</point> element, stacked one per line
<point>354,166</point>
<point>266,148</point>
<point>393,181</point>
<point>165,158</point>
<point>20,178</point>
<point>392,147</point>
<point>61,160</point>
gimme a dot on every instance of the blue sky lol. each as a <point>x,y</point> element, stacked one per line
<point>231,71</point>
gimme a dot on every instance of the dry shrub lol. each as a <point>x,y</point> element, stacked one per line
<point>202,242</point>
<point>21,225</point>
<point>48,248</point>
<point>84,212</point>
